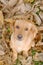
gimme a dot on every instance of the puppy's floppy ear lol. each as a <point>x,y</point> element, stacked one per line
<point>12,22</point>
<point>1,18</point>
<point>33,30</point>
<point>38,36</point>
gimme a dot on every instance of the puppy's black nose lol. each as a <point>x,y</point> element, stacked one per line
<point>19,36</point>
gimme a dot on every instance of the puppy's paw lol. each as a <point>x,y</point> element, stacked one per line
<point>25,53</point>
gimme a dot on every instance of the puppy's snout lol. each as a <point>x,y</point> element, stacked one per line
<point>20,36</point>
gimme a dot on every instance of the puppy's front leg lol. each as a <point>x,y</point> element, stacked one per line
<point>14,55</point>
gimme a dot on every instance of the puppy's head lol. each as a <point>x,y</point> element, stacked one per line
<point>24,29</point>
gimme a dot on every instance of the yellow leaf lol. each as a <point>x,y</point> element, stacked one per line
<point>1,17</point>
<point>1,62</point>
<point>28,1</point>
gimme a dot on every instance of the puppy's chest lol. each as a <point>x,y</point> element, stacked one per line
<point>19,45</point>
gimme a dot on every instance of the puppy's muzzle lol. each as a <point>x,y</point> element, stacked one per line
<point>19,37</point>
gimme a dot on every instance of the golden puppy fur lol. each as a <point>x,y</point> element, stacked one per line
<point>22,37</point>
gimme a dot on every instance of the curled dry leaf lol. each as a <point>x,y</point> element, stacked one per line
<point>28,7</point>
<point>39,43</point>
<point>2,52</point>
<point>37,19</point>
<point>36,9</point>
<point>29,60</point>
<point>1,17</point>
<point>38,57</point>
<point>41,7</point>
<point>40,28</point>
<point>11,3</point>
<point>37,2</point>
<point>41,15</point>
<point>22,8</point>
<point>4,1</point>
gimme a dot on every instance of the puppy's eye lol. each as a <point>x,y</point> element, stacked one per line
<point>17,27</point>
<point>26,29</point>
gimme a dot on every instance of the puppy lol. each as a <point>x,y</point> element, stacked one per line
<point>22,37</point>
